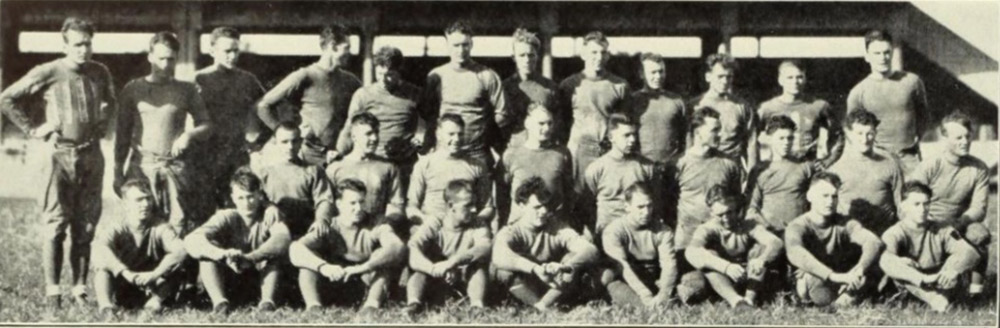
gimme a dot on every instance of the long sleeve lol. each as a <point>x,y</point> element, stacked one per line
<point>103,255</point>
<point>484,193</point>
<point>481,246</point>
<point>494,89</point>
<point>800,257</point>
<point>397,200</point>
<point>430,102</point>
<point>835,136</point>
<point>698,254</point>
<point>977,205</point>
<point>322,196</point>
<point>581,252</point>
<point>773,245</point>
<point>504,256</point>
<point>110,106</point>
<point>127,119</point>
<point>921,108</point>
<point>417,189</point>
<point>962,256</point>
<point>344,143</point>
<point>176,254</point>
<point>668,264</point>
<point>503,186</point>
<point>202,125</point>
<point>871,246</point>
<point>893,263</point>
<point>302,252</point>
<point>390,252</point>
<point>419,261</point>
<point>199,243</point>
<point>614,249</point>
<point>854,99</point>
<point>756,196</point>
<point>288,87</point>
<point>276,246</point>
<point>11,99</point>
<point>753,156</point>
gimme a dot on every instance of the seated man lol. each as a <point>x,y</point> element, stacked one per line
<point>352,252</point>
<point>832,253</point>
<point>927,258</point>
<point>539,257</point>
<point>732,251</point>
<point>136,256</point>
<point>381,177</point>
<point>641,248</point>
<point>450,251</point>
<point>300,190</point>
<point>242,246</point>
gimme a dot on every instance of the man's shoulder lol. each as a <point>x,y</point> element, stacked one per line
<point>974,162</point>
<point>572,81</point>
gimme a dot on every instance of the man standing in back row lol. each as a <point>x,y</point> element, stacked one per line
<point>322,92</point>
<point>739,122</point>
<point>470,90</point>
<point>79,98</point>
<point>661,113</point>
<point>526,87</point>
<point>898,98</point>
<point>808,113</point>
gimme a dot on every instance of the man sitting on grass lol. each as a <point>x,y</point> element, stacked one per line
<point>353,252</point>
<point>450,251</point>
<point>731,251</point>
<point>136,257</point>
<point>832,253</point>
<point>926,257</point>
<point>641,248</point>
<point>241,247</point>
<point>540,257</point>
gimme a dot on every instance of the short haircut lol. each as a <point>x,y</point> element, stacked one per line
<point>459,27</point>
<point>719,193</point>
<point>861,116</point>
<point>725,60</point>
<point>333,35</point>
<point>352,185</point>
<point>536,107</point>
<point>616,120</point>
<point>877,35</point>
<point>698,119</point>
<point>456,188</point>
<point>648,56</point>
<point>288,126</point>
<point>139,184</point>
<point>797,63</point>
<point>956,117</point>
<point>915,186</point>
<point>595,36</point>
<point>779,122</point>
<point>535,186</point>
<point>79,25</point>
<point>828,177</point>
<point>166,38</point>
<point>366,118</point>
<point>389,57</point>
<point>639,187</point>
<point>522,35</point>
<point>245,179</point>
<point>225,32</point>
<point>453,118</point>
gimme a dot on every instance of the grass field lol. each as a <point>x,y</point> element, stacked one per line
<point>21,287</point>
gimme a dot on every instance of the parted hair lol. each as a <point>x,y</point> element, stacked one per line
<point>79,25</point>
<point>522,35</point>
<point>459,26</point>
<point>134,183</point>
<point>333,35</point>
<point>722,194</point>
<point>366,118</point>
<point>616,120</point>
<point>698,119</point>
<point>388,56</point>
<point>458,188</point>
<point>861,116</point>
<point>727,62</point>
<point>779,122</point>
<point>225,32</point>
<point>533,187</point>
<point>825,176</point>
<point>877,35</point>
<point>245,179</point>
<point>453,118</point>
<point>165,38</point>
<point>916,186</point>
<point>639,187</point>
<point>352,185</point>
<point>596,36</point>
<point>956,117</point>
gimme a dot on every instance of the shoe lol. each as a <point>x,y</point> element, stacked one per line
<point>314,309</point>
<point>266,306</point>
<point>221,308</point>
<point>742,305</point>
<point>152,310</point>
<point>413,309</point>
<point>367,310</point>
<point>109,313</point>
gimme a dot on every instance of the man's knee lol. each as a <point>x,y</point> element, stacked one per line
<point>691,285</point>
<point>978,235</point>
<point>813,289</point>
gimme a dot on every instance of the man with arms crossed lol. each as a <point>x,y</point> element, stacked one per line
<point>833,254</point>
<point>470,90</point>
<point>527,87</point>
<point>79,100</point>
<point>354,252</point>
<point>450,251</point>
<point>739,122</point>
<point>322,91</point>
<point>540,258</point>
<point>960,183</point>
<point>242,249</point>
<point>662,113</point>
<point>927,258</point>
<point>897,97</point>
<point>301,191</point>
<point>151,134</point>
<point>381,178</point>
<point>641,249</point>
<point>809,114</point>
<point>136,256</point>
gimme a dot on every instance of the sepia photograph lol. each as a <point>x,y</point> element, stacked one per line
<point>488,163</point>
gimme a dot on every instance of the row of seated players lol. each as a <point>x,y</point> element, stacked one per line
<point>538,259</point>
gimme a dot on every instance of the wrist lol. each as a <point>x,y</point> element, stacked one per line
<point>319,268</point>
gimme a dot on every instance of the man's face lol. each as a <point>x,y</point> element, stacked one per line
<point>957,137</point>
<point>879,56</point>
<point>138,206</point>
<point>595,55</point>
<point>719,79</point>
<point>77,46</point>
<point>226,51</point>
<point>162,59</point>
<point>792,79</point>
<point>462,210</point>
<point>538,125</point>
<point>364,137</point>
<point>639,210</point>
<point>861,137</point>
<point>350,205</point>
<point>781,142</point>
<point>708,133</point>
<point>287,144</point>
<point>822,198</point>
<point>536,214</point>
<point>449,135</point>
<point>459,46</point>
<point>915,207</point>
<point>247,202</point>
<point>727,213</point>
<point>339,53</point>
<point>625,138</point>
<point>653,73</point>
<point>525,57</point>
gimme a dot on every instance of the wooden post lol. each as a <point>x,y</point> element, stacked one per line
<point>549,27</point>
<point>367,67</point>
<point>729,26</point>
<point>187,23</point>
